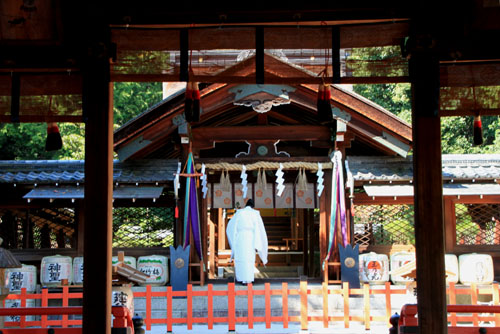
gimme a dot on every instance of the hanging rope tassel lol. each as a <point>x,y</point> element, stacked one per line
<point>188,104</point>
<point>323,104</point>
<point>196,101</point>
<point>192,103</point>
<point>54,140</point>
<point>478,130</point>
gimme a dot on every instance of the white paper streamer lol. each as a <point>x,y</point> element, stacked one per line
<point>280,180</point>
<point>244,181</point>
<point>320,181</point>
<point>177,184</point>
<point>204,188</point>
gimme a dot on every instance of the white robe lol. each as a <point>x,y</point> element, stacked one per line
<point>246,234</point>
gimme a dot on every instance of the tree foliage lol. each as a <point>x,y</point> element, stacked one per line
<point>456,132</point>
<point>26,141</point>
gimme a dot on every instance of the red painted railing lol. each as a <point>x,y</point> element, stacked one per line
<point>303,291</point>
<point>122,319</point>
<point>231,319</point>
<point>408,320</point>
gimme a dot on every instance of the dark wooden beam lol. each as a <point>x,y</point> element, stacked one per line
<point>98,110</point>
<point>428,185</point>
<point>290,132</point>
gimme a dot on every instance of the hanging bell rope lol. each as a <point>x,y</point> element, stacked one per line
<point>53,141</point>
<point>324,107</point>
<point>192,102</point>
<point>265,165</point>
<point>477,126</point>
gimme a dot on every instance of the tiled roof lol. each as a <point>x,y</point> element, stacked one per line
<point>455,167</point>
<point>72,171</point>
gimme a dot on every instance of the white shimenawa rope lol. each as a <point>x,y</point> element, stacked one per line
<point>312,166</point>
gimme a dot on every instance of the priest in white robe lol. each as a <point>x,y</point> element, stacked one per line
<point>246,234</point>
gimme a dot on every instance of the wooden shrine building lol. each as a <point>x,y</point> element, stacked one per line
<point>59,58</point>
<point>257,127</point>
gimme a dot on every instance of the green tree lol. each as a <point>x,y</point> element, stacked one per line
<point>26,141</point>
<point>132,98</point>
<point>456,132</point>
<point>393,97</point>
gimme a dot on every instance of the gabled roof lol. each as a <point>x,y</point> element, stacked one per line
<point>157,129</point>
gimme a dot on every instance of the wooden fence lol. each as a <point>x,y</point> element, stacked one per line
<point>305,314</point>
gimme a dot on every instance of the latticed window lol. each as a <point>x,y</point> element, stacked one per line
<point>477,224</point>
<point>143,227</point>
<point>384,224</point>
<point>38,228</point>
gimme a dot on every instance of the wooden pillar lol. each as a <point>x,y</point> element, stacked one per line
<point>306,239</point>
<point>98,111</point>
<point>80,214</point>
<point>211,247</point>
<point>45,236</point>
<point>428,184</point>
<point>449,225</point>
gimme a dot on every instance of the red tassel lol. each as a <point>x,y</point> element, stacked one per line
<point>176,211</point>
<point>196,102</point>
<point>188,104</point>
<point>323,104</point>
<point>478,130</point>
<point>54,140</point>
<point>192,104</point>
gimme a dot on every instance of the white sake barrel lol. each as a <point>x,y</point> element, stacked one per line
<point>451,265</point>
<point>17,278</point>
<point>373,268</point>
<point>156,266</point>
<point>15,303</point>
<point>476,268</point>
<point>399,259</point>
<point>128,260</point>
<point>78,270</point>
<point>56,268</point>
<point>123,296</point>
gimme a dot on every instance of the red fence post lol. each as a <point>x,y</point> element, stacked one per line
<point>23,304</point>
<point>169,309</point>
<point>303,305</point>
<point>148,307</point>
<point>250,305</point>
<point>345,293</point>
<point>453,300</point>
<point>189,307</point>
<point>388,306</point>
<point>324,286</point>
<point>65,298</point>
<point>210,302</point>
<point>267,291</point>
<point>231,312</point>
<point>473,297</point>
<point>284,302</point>
<point>45,303</point>
<point>366,299</point>
<point>495,298</point>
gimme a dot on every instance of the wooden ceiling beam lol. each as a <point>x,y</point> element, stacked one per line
<point>241,133</point>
